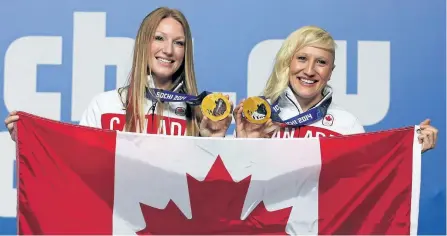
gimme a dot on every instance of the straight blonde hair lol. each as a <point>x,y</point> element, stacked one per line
<point>138,83</point>
<point>303,37</point>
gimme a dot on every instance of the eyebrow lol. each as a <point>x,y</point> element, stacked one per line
<point>307,54</point>
<point>176,38</point>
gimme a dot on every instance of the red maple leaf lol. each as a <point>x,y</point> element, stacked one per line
<point>216,205</point>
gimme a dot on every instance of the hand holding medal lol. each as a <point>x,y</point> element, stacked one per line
<point>253,115</point>
<point>256,110</point>
<point>216,106</point>
<point>256,118</point>
<point>216,109</point>
<point>253,118</point>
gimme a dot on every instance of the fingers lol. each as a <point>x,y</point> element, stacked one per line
<point>428,135</point>
<point>425,141</point>
<point>231,105</point>
<point>425,122</point>
<point>269,127</point>
<point>228,120</point>
<point>237,112</point>
<point>204,131</point>
<point>431,131</point>
<point>12,117</point>
<point>236,109</point>
<point>9,123</point>
<point>204,122</point>
<point>239,118</point>
<point>428,138</point>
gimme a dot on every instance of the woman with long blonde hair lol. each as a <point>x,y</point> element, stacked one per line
<point>162,61</point>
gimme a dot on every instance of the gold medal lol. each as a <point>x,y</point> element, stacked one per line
<point>216,106</point>
<point>256,110</point>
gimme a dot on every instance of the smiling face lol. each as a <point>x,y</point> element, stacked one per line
<point>310,70</point>
<point>167,49</point>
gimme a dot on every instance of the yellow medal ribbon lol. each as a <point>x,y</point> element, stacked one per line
<point>216,106</point>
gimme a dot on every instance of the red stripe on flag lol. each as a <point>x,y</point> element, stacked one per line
<point>65,178</point>
<point>364,189</point>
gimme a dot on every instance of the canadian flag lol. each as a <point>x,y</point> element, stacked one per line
<point>81,180</point>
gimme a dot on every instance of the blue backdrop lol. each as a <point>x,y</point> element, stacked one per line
<point>391,64</point>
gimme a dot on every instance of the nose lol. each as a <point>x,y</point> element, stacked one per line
<point>167,48</point>
<point>309,70</point>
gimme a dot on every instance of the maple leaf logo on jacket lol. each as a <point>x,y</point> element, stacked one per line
<point>216,205</point>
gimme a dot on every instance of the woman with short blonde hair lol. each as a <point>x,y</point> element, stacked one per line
<point>301,98</point>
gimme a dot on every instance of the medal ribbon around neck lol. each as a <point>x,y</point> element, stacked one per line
<point>215,106</point>
<point>257,110</point>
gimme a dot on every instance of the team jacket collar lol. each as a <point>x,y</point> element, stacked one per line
<point>289,98</point>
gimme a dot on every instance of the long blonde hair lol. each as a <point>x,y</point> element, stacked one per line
<point>137,84</point>
<point>303,37</point>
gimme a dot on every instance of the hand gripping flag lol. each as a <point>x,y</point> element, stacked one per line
<point>81,180</point>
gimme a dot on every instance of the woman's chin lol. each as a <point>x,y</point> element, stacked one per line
<point>162,74</point>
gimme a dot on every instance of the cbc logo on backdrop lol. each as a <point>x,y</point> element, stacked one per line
<point>93,50</point>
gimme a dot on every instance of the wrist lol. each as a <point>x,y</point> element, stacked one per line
<point>218,135</point>
<point>202,134</point>
<point>211,135</point>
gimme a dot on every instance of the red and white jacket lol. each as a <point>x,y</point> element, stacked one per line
<point>336,122</point>
<point>106,111</point>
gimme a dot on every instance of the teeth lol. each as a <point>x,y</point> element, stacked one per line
<point>308,81</point>
<point>164,60</point>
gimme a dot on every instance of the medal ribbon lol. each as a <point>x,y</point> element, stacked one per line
<point>305,118</point>
<point>169,96</point>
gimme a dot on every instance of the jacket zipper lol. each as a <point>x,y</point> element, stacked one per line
<point>287,96</point>
<point>152,108</point>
